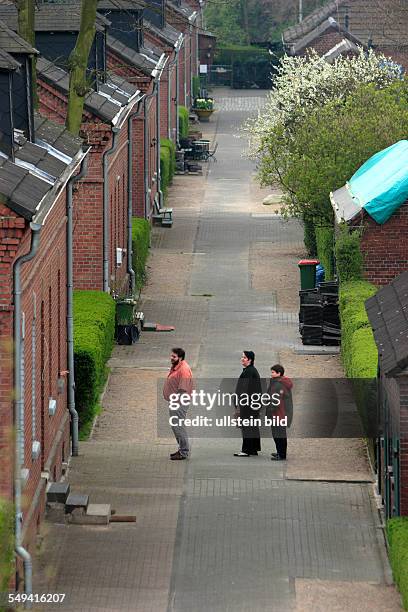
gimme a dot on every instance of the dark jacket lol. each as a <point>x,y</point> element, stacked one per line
<point>248,384</point>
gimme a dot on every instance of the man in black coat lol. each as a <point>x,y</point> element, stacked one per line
<point>249,384</point>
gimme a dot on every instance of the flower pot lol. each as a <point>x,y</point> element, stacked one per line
<point>204,114</point>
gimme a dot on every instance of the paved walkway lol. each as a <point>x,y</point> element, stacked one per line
<point>218,533</point>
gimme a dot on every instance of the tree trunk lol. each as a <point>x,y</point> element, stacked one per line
<point>78,62</point>
<point>26,16</point>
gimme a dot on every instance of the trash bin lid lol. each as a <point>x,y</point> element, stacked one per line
<point>308,262</point>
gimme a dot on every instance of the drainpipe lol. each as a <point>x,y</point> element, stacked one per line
<point>18,407</point>
<point>185,73</point>
<point>131,272</point>
<point>159,191</point>
<point>171,65</point>
<point>115,140</point>
<point>177,101</point>
<point>70,314</point>
<point>146,148</point>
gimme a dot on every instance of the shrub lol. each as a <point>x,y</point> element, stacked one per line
<point>140,248</point>
<point>349,259</point>
<point>94,328</point>
<point>183,121</point>
<point>324,248</point>
<point>165,163</point>
<point>196,86</point>
<point>228,54</point>
<point>169,144</point>
<point>397,532</point>
<point>6,545</point>
<point>309,237</point>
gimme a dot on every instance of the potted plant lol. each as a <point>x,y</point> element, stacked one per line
<point>204,107</point>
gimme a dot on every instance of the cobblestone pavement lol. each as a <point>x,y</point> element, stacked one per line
<point>218,533</point>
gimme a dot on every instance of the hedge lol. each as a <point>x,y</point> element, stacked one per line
<point>183,121</point>
<point>397,532</point>
<point>140,249</point>
<point>6,545</point>
<point>196,86</point>
<point>324,248</point>
<point>349,259</point>
<point>239,53</point>
<point>94,328</point>
<point>167,163</point>
<point>358,349</point>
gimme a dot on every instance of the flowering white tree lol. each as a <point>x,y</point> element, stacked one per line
<point>302,85</point>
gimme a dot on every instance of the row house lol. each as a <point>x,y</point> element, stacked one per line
<point>38,164</point>
<point>380,26</point>
<point>66,208</point>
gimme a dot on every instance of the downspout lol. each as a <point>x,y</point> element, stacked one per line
<point>70,311</point>
<point>177,101</point>
<point>115,140</point>
<point>18,407</point>
<point>171,65</point>
<point>159,191</point>
<point>131,271</point>
<point>185,73</point>
<point>146,148</point>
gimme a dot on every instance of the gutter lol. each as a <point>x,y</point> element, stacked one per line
<point>131,271</point>
<point>70,316</point>
<point>105,248</point>
<point>18,407</point>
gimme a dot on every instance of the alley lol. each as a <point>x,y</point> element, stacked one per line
<point>218,533</point>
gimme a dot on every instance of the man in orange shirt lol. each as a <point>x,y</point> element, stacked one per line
<point>179,383</point>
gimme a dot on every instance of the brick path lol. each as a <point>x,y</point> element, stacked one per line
<point>216,532</point>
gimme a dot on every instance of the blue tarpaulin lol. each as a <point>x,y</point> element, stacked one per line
<point>380,186</point>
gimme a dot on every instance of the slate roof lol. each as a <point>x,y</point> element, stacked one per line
<point>311,21</point>
<point>51,17</point>
<point>13,43</point>
<point>388,315</point>
<point>168,34</point>
<point>37,168</point>
<point>145,62</point>
<point>7,62</point>
<point>385,22</point>
<point>184,9</point>
<point>327,24</point>
<point>107,103</point>
<point>126,5</point>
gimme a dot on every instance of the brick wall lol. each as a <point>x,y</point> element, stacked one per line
<point>385,248</point>
<point>43,307</point>
<point>88,198</point>
<point>403,385</point>
<point>325,42</point>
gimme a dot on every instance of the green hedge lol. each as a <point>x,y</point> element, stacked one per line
<point>196,86</point>
<point>359,352</point>
<point>94,328</point>
<point>397,532</point>
<point>167,163</point>
<point>140,249</point>
<point>183,121</point>
<point>6,545</point>
<point>309,237</point>
<point>324,247</point>
<point>239,53</point>
<point>349,259</point>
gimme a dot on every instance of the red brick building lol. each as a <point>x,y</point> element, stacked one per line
<point>387,315</point>
<point>383,232</point>
<point>37,160</point>
<point>101,201</point>
<point>183,17</point>
<point>381,26</point>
